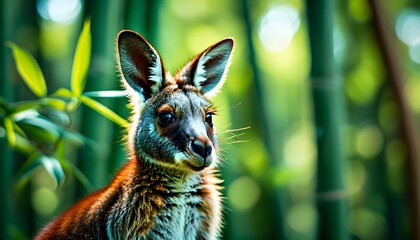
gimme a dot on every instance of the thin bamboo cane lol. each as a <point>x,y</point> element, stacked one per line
<point>272,197</point>
<point>328,108</point>
<point>105,25</point>
<point>387,45</point>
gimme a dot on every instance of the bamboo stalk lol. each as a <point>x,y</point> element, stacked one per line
<point>5,152</point>
<point>105,25</point>
<point>329,117</point>
<point>387,43</point>
<point>135,15</point>
<point>272,197</point>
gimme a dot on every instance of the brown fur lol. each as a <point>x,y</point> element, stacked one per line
<point>168,188</point>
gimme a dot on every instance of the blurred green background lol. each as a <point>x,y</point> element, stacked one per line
<point>266,118</point>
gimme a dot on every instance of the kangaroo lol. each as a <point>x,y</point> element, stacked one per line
<point>168,189</point>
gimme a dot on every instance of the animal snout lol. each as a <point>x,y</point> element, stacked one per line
<point>202,148</point>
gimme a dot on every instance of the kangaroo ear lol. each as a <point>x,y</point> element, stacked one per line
<point>207,72</point>
<point>140,64</point>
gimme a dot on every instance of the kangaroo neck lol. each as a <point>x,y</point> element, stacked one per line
<point>169,179</point>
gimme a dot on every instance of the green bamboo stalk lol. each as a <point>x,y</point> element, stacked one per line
<point>135,15</point>
<point>143,17</point>
<point>328,106</point>
<point>94,163</point>
<point>5,152</point>
<point>269,197</point>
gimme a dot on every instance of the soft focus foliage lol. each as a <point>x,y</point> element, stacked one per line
<point>52,128</point>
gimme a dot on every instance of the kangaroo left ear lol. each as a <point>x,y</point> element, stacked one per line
<point>208,71</point>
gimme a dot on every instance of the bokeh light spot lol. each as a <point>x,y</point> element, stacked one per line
<point>243,193</point>
<point>301,217</point>
<point>356,176</point>
<point>367,224</point>
<point>62,11</point>
<point>44,201</point>
<point>407,27</point>
<point>299,149</point>
<point>361,86</point>
<point>369,141</point>
<point>412,88</point>
<point>189,9</point>
<point>414,52</point>
<point>278,27</point>
<point>359,10</point>
<point>200,36</point>
<point>408,31</point>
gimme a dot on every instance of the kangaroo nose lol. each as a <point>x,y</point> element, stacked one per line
<point>200,148</point>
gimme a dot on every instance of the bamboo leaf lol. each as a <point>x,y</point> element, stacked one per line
<point>78,174</point>
<point>24,173</point>
<point>62,92</point>
<point>50,163</point>
<point>54,169</point>
<point>81,60</point>
<point>106,112</point>
<point>55,103</point>
<point>74,137</point>
<point>29,70</point>
<point>22,106</point>
<point>4,106</point>
<point>23,145</point>
<point>11,136</point>
<point>40,129</point>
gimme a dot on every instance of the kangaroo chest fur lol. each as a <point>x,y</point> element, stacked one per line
<point>167,189</point>
<point>145,204</point>
<point>161,207</point>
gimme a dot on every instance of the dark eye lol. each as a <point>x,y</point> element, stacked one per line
<point>209,119</point>
<point>165,119</point>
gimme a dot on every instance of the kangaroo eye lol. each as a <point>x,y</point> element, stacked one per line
<point>166,119</point>
<point>209,119</point>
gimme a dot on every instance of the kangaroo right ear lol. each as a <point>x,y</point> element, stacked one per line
<point>139,63</point>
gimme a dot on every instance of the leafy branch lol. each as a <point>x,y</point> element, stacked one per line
<point>39,128</point>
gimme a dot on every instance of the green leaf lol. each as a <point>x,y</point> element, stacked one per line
<point>73,105</point>
<point>29,70</point>
<point>11,136</point>
<point>40,129</point>
<point>23,145</point>
<point>55,103</point>
<point>4,106</point>
<point>106,112</point>
<point>81,60</point>
<point>78,174</point>
<point>27,169</point>
<point>62,92</point>
<point>22,106</point>
<point>53,167</point>
<point>74,137</point>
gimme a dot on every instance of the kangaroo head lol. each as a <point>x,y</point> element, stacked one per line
<point>172,123</point>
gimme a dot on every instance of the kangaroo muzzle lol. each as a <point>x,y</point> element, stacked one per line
<point>202,148</point>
